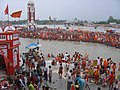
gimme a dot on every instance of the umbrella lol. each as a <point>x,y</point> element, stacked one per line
<point>33,45</point>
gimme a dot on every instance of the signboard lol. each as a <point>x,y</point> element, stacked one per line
<point>16,42</point>
<point>15,52</point>
<point>3,46</point>
<point>15,36</point>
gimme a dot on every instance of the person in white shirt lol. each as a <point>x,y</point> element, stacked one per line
<point>66,56</point>
<point>69,80</point>
<point>66,69</point>
<point>21,83</point>
<point>45,70</point>
<point>98,61</point>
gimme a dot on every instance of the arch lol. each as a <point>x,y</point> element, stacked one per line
<point>2,63</point>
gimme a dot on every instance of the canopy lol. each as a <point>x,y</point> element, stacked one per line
<point>33,45</point>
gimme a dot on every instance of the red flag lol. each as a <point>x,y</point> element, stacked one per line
<point>6,9</point>
<point>16,14</point>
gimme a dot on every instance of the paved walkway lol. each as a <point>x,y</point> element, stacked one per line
<point>61,84</point>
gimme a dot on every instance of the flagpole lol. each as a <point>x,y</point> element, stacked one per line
<point>8,16</point>
<point>18,21</point>
<point>2,19</point>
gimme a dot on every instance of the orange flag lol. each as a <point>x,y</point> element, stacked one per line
<point>16,14</point>
<point>6,10</point>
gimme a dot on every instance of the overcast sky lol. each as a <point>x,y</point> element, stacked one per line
<point>91,10</point>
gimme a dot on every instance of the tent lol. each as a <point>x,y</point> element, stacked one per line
<point>33,45</point>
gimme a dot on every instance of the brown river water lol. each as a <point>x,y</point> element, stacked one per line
<point>55,47</point>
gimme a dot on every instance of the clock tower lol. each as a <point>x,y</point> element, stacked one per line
<point>31,15</point>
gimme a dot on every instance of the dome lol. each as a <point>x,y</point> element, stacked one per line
<point>1,30</point>
<point>31,2</point>
<point>9,29</point>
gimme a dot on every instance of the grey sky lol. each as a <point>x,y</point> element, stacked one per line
<point>92,10</point>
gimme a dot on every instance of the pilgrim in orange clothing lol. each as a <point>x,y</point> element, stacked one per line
<point>105,64</point>
<point>96,76</point>
<point>111,80</point>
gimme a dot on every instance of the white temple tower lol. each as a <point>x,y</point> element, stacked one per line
<point>31,15</point>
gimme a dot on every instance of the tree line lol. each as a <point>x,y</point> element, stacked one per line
<point>110,20</point>
<point>60,22</point>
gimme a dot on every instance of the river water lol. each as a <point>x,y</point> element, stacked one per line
<point>55,47</point>
<point>98,29</point>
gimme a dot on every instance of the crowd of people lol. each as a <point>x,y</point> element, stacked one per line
<point>35,71</point>
<point>101,71</point>
<point>110,37</point>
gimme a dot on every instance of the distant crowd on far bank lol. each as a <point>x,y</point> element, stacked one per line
<point>109,38</point>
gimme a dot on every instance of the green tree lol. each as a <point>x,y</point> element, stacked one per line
<point>111,19</point>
